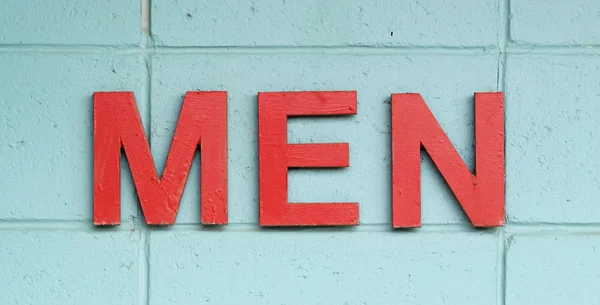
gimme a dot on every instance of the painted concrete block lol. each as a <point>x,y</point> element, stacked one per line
<point>553,269</point>
<point>553,171</point>
<point>67,267</point>
<point>331,23</point>
<point>47,133</point>
<point>446,82</point>
<point>70,22</point>
<point>555,22</point>
<point>322,267</point>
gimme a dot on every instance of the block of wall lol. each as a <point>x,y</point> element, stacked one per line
<point>46,125</point>
<point>70,22</point>
<point>270,267</point>
<point>330,23</point>
<point>552,269</point>
<point>68,267</point>
<point>552,167</point>
<point>554,22</point>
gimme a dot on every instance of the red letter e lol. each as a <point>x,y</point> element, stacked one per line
<point>276,156</point>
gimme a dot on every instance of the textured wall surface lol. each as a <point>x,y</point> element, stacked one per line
<point>542,54</point>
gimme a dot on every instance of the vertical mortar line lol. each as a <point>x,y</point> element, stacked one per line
<point>143,246</point>
<point>143,275</point>
<point>501,267</point>
<point>145,17</point>
<point>503,41</point>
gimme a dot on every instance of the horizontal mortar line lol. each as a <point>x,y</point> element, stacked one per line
<point>77,49</point>
<point>557,50</point>
<point>87,225</point>
<point>543,228</point>
<point>69,225</point>
<point>324,51</point>
<point>231,227</point>
<point>225,50</point>
<point>551,46</point>
<point>48,221</point>
<point>258,50</point>
<point>511,227</point>
<point>383,228</point>
<point>241,227</point>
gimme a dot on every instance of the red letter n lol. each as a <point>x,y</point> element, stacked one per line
<point>276,156</point>
<point>117,124</point>
<point>481,195</point>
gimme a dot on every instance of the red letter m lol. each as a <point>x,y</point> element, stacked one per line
<point>117,124</point>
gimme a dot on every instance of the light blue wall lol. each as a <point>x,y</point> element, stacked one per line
<point>542,54</point>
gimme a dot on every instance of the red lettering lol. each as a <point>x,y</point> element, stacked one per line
<point>276,156</point>
<point>481,195</point>
<point>117,125</point>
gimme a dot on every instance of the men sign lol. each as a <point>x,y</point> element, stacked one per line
<point>202,125</point>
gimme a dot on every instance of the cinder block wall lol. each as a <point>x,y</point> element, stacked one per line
<point>543,54</point>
